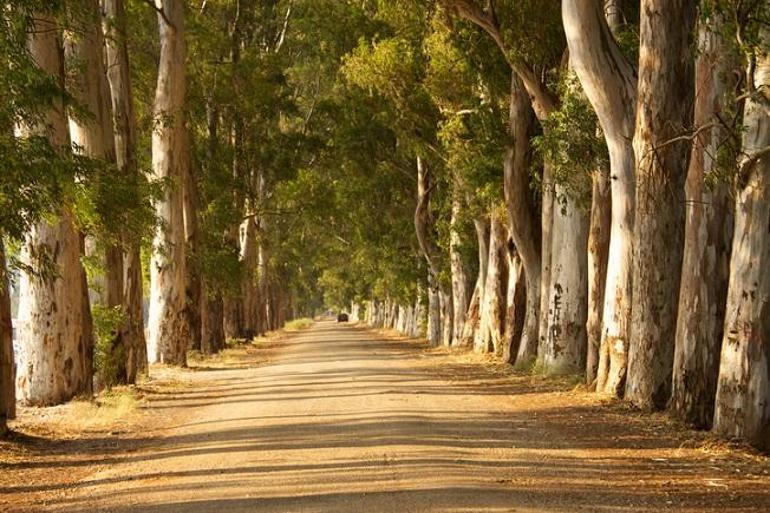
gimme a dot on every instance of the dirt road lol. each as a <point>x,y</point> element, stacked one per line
<point>341,420</point>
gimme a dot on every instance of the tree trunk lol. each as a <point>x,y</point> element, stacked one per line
<point>516,301</point>
<point>53,363</point>
<point>743,390</point>
<point>460,296</point>
<point>598,250</point>
<point>473,317</point>
<point>93,137</point>
<point>609,82</point>
<point>522,215</point>
<point>192,266</point>
<point>438,332</point>
<point>664,109</point>
<point>7,369</point>
<point>546,244</point>
<point>212,325</point>
<point>708,233</point>
<point>116,47</point>
<point>565,346</point>
<point>489,337</point>
<point>168,326</point>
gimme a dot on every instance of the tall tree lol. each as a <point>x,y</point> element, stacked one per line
<point>664,110</point>
<point>743,390</point>
<point>609,82</point>
<point>53,336</point>
<point>708,234</point>
<point>168,326</point>
<point>124,122</point>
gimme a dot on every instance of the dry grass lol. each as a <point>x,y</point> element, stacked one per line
<point>298,324</point>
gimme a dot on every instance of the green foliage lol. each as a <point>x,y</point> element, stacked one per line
<point>571,142</point>
<point>108,356</point>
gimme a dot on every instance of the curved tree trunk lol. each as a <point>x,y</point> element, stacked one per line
<point>598,249</point>
<point>522,215</point>
<point>743,390</point>
<point>168,327</point>
<point>565,338</point>
<point>116,47</point>
<point>7,369</point>
<point>708,234</point>
<point>664,110</point>
<point>609,82</point>
<point>55,342</point>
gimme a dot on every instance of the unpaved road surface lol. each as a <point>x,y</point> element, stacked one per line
<point>341,420</point>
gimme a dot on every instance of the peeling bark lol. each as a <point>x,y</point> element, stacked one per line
<point>708,234</point>
<point>565,338</point>
<point>664,110</point>
<point>743,390</point>
<point>598,251</point>
<point>489,337</point>
<point>460,296</point>
<point>53,364</point>
<point>609,82</point>
<point>522,215</point>
<point>116,48</point>
<point>473,316</point>
<point>168,327</point>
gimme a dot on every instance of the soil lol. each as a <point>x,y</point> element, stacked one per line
<point>341,419</point>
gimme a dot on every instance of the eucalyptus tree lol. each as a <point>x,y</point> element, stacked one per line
<point>743,388</point>
<point>54,336</point>
<point>168,328</point>
<point>125,137</point>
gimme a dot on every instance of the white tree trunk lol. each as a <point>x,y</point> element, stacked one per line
<point>493,305</point>
<point>168,327</point>
<point>708,236</point>
<point>516,301</point>
<point>473,317</point>
<point>565,346</point>
<point>54,359</point>
<point>118,76</point>
<point>610,85</point>
<point>743,390</point>
<point>460,296</point>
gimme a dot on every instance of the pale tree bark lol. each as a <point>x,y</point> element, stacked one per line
<point>609,82</point>
<point>522,215</point>
<point>743,390</point>
<point>460,296</point>
<point>53,364</point>
<point>598,251</point>
<point>708,236</point>
<point>489,336</point>
<point>250,264</point>
<point>565,337</point>
<point>168,326</point>
<point>516,305</point>
<point>473,316</point>
<point>546,243</point>
<point>118,75</point>
<point>439,326</point>
<point>7,369</point>
<point>664,109</point>
<point>92,136</point>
